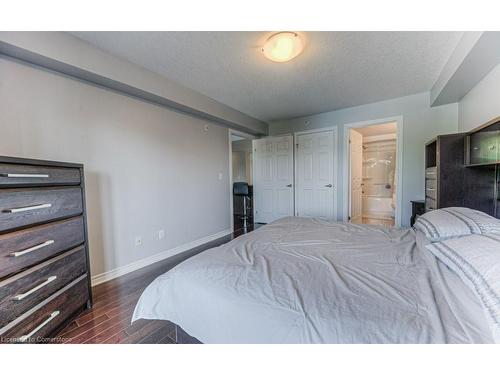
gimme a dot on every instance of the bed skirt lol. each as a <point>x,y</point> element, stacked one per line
<point>181,337</point>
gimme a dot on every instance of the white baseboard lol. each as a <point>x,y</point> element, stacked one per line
<point>120,271</point>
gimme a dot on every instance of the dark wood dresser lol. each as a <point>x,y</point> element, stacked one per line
<point>44,257</point>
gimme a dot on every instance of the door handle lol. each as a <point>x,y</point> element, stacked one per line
<point>289,185</point>
<point>329,185</point>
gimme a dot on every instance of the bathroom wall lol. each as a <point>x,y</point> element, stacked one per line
<point>379,166</point>
<point>242,161</point>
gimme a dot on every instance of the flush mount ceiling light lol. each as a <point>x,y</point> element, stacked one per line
<point>283,46</point>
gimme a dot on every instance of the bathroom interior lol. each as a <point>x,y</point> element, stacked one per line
<point>379,174</point>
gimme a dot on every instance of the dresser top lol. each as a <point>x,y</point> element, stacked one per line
<point>14,160</point>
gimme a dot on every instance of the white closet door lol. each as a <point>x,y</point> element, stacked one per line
<point>273,178</point>
<point>356,177</point>
<point>315,185</point>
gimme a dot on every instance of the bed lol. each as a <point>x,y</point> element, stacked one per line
<point>301,280</point>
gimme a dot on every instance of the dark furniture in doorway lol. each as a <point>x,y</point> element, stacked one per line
<point>242,205</point>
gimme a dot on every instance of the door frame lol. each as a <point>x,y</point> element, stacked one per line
<point>349,177</point>
<point>399,163</point>
<point>230,174</point>
<point>335,165</point>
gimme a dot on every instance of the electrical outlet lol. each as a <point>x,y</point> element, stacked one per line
<point>138,241</point>
<point>161,234</point>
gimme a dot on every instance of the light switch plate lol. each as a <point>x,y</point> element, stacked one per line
<point>161,234</point>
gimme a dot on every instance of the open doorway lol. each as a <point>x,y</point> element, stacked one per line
<point>373,173</point>
<point>241,168</point>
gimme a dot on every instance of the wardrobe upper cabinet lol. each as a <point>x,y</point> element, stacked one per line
<point>483,144</point>
<point>482,175</point>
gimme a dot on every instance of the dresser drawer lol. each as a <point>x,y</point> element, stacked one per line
<point>432,184</point>
<point>22,292</point>
<point>23,207</point>
<point>430,204</point>
<point>14,175</point>
<point>431,173</point>
<point>43,320</point>
<point>24,248</point>
<point>431,193</point>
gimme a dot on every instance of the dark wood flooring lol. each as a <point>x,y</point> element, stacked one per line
<point>108,321</point>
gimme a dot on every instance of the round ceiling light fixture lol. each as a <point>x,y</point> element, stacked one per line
<point>283,46</point>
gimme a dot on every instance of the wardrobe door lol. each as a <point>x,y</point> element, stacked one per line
<point>273,178</point>
<point>315,188</point>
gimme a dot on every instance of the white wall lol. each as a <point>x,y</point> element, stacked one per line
<point>146,167</point>
<point>482,103</point>
<point>421,123</point>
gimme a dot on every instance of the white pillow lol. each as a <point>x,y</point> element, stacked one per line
<point>451,222</point>
<point>476,260</point>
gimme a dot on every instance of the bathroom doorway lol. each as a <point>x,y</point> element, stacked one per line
<point>372,174</point>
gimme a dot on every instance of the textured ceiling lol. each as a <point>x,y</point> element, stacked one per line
<point>336,69</point>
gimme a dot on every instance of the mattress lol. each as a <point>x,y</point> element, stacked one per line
<point>301,280</point>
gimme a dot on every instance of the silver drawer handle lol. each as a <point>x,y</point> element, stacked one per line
<point>430,189</point>
<point>29,208</point>
<point>23,175</point>
<point>330,185</point>
<point>45,322</point>
<point>20,297</point>
<point>30,249</point>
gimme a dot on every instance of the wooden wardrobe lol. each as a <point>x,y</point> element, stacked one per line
<point>463,170</point>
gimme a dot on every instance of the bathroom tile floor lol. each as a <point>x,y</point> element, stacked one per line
<point>383,222</point>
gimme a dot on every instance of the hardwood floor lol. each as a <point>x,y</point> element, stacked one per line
<point>108,321</point>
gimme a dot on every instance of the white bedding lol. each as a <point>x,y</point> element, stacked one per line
<point>303,280</point>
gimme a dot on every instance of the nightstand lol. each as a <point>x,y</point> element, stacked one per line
<point>417,209</point>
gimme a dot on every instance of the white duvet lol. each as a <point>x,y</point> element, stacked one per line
<point>303,280</point>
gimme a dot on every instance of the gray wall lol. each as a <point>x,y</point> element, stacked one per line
<point>421,123</point>
<point>147,167</point>
<point>482,103</point>
<point>68,54</point>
